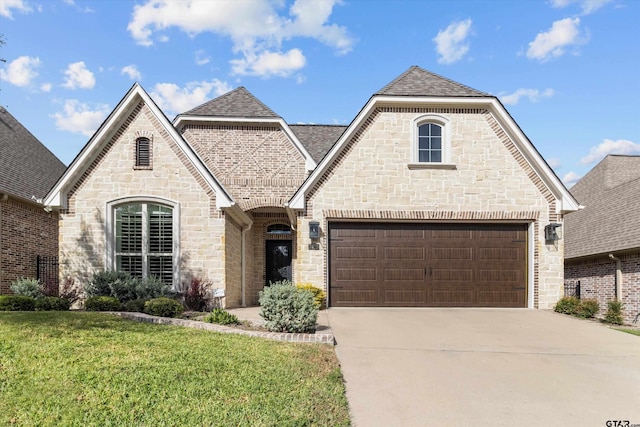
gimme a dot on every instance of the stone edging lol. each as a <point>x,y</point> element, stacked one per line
<point>278,336</point>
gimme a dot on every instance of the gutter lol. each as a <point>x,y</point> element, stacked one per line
<point>618,277</point>
<point>291,215</point>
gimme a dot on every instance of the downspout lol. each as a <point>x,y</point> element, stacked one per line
<point>291,215</point>
<point>618,277</point>
<point>243,266</point>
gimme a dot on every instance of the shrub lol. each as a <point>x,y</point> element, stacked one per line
<point>135,305</point>
<point>151,287</point>
<point>221,317</point>
<point>17,303</point>
<point>195,297</point>
<point>286,308</point>
<point>102,282</point>
<point>122,286</point>
<point>52,304</point>
<point>102,303</point>
<point>567,305</point>
<point>614,313</point>
<point>69,291</point>
<point>319,296</point>
<point>588,308</point>
<point>27,287</point>
<point>163,307</point>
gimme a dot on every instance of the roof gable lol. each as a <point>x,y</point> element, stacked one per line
<point>609,222</point>
<point>237,103</point>
<point>27,168</point>
<point>420,82</point>
<point>57,196</point>
<point>318,139</point>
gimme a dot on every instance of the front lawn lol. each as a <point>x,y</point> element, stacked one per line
<point>93,369</point>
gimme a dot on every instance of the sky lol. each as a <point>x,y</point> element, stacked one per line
<point>568,71</point>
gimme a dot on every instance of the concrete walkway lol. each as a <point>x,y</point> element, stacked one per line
<point>484,367</point>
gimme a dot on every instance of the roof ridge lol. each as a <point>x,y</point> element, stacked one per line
<point>427,83</point>
<point>239,102</point>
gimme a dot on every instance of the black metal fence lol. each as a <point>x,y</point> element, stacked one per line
<point>47,271</point>
<point>572,289</point>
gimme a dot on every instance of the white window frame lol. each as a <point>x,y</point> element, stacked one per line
<point>445,125</point>
<point>110,234</point>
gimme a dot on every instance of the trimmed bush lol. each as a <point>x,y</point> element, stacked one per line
<point>614,313</point>
<point>221,317</point>
<point>583,308</point>
<point>567,305</point>
<point>319,296</point>
<point>102,303</point>
<point>286,308</point>
<point>135,305</point>
<point>27,287</point>
<point>163,307</point>
<point>52,304</point>
<point>588,308</point>
<point>17,303</point>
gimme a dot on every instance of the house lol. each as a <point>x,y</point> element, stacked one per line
<point>27,171</point>
<point>602,241</point>
<point>432,196</point>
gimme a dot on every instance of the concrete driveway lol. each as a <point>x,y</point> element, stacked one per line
<point>485,367</point>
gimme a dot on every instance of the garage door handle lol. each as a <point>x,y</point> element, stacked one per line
<point>425,271</point>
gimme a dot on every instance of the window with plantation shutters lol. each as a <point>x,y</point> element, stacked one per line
<point>143,152</point>
<point>144,240</point>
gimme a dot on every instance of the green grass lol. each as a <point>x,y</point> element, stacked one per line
<point>629,331</point>
<point>93,369</point>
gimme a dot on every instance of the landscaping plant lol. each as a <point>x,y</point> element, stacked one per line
<point>163,307</point>
<point>123,287</point>
<point>614,313</point>
<point>583,308</point>
<point>52,304</point>
<point>319,296</point>
<point>221,317</point>
<point>27,287</point>
<point>102,303</point>
<point>195,296</point>
<point>17,303</point>
<point>285,308</point>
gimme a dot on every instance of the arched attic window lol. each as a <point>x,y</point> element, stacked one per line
<point>278,229</point>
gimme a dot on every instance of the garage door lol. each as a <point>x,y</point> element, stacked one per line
<point>427,265</point>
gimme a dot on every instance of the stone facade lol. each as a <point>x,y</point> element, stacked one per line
<point>112,176</point>
<point>597,278</point>
<point>26,231</point>
<point>372,179</point>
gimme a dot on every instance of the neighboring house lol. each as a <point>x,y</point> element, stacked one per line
<point>602,248</point>
<point>432,196</point>
<point>27,171</point>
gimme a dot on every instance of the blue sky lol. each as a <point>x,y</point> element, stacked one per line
<point>566,70</point>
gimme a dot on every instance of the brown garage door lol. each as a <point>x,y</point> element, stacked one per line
<point>427,265</point>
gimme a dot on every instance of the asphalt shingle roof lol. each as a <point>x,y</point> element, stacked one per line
<point>318,139</point>
<point>237,103</point>
<point>417,81</point>
<point>610,221</point>
<point>27,168</point>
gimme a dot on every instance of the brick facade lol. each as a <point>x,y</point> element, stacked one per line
<point>597,277</point>
<point>490,181</point>
<point>26,231</point>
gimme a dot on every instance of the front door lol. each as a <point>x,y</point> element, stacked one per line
<point>278,260</point>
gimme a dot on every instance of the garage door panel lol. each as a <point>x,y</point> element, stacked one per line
<point>457,265</point>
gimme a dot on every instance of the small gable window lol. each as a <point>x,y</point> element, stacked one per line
<point>431,141</point>
<point>278,229</point>
<point>143,153</point>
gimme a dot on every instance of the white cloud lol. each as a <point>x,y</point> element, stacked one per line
<point>45,87</point>
<point>132,72</point>
<point>256,28</point>
<point>79,77</point>
<point>554,163</point>
<point>571,178</point>
<point>451,43</point>
<point>268,64</point>
<point>202,58</point>
<point>609,146</point>
<point>588,6</point>
<point>6,7</point>
<point>173,99</point>
<point>77,117</point>
<point>21,71</point>
<point>553,43</point>
<point>534,95</point>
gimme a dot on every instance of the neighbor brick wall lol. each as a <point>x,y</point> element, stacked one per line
<point>26,231</point>
<point>112,176</point>
<point>598,281</point>
<point>491,180</point>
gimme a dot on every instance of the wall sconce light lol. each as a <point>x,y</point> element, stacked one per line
<point>552,232</point>
<point>314,230</point>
